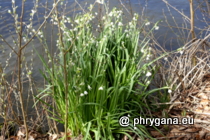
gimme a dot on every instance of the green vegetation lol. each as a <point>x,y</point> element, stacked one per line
<point>94,77</point>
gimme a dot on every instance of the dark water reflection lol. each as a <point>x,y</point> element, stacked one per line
<point>153,10</point>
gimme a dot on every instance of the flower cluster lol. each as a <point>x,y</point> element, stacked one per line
<point>115,13</point>
<point>85,92</point>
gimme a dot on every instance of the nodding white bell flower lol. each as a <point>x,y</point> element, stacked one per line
<point>77,21</point>
<point>148,74</point>
<point>165,58</point>
<point>181,52</point>
<point>89,87</point>
<point>100,88</point>
<point>33,11</point>
<point>157,27</point>
<point>148,23</point>
<point>120,24</point>
<point>169,91</point>
<point>85,92</point>
<point>100,1</point>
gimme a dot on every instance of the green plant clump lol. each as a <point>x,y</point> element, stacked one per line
<point>95,74</point>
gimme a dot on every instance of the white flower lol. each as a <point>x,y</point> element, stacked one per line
<point>150,48</point>
<point>134,19</point>
<point>120,12</point>
<point>100,88</point>
<point>85,92</point>
<point>120,24</point>
<point>28,26</point>
<point>81,20</point>
<point>89,87</point>
<point>81,94</point>
<point>39,33</point>
<point>110,14</point>
<point>96,13</point>
<point>157,27</point>
<point>169,91</point>
<point>100,1</point>
<point>91,7</point>
<point>13,1</point>
<point>148,74</point>
<point>24,39</point>
<point>148,23</point>
<point>9,11</point>
<point>33,11</point>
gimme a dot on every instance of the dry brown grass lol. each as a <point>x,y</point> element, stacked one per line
<point>178,71</point>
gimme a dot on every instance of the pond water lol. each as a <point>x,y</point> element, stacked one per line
<point>153,10</point>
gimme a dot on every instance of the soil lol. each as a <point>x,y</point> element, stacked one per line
<point>193,104</point>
